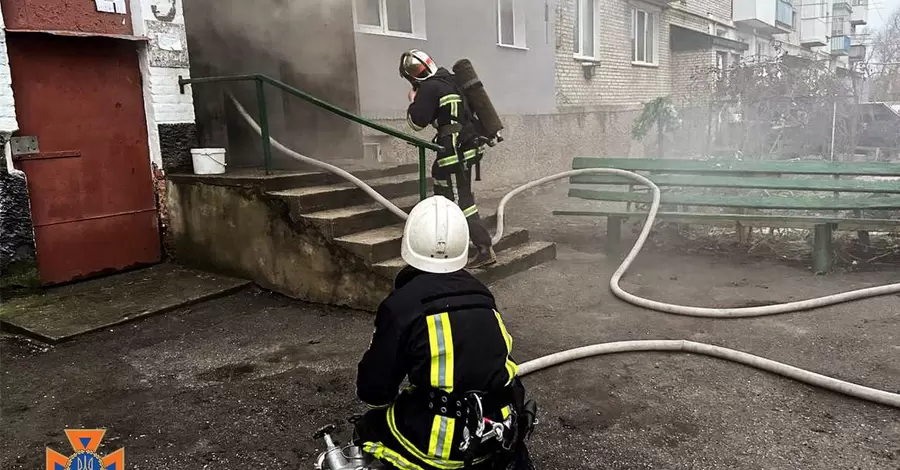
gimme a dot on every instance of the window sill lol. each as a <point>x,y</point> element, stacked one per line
<point>394,34</point>
<point>649,65</point>
<point>510,46</point>
<point>586,59</point>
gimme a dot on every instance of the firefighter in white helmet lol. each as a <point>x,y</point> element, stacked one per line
<point>441,329</point>
<point>435,99</point>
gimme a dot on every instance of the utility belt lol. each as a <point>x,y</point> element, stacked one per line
<point>459,405</point>
<point>470,409</point>
<point>465,139</point>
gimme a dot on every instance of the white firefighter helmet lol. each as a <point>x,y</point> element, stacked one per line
<point>416,66</point>
<point>436,236</point>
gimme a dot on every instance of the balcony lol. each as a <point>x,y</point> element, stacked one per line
<point>860,14</point>
<point>813,32</point>
<point>784,14</point>
<point>841,7</point>
<point>857,47</point>
<point>769,16</point>
<point>840,45</point>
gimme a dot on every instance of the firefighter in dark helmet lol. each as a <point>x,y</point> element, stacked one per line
<point>436,100</point>
<point>440,329</point>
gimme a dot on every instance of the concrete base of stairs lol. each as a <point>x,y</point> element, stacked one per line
<point>310,236</point>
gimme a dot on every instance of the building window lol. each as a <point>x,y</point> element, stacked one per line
<point>584,29</point>
<point>511,23</point>
<point>391,17</point>
<point>643,37</point>
<point>721,63</point>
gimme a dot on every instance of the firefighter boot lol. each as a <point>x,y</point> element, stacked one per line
<point>484,256</point>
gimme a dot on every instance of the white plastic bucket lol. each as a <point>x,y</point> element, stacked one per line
<point>208,161</point>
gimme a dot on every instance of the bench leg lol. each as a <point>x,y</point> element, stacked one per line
<point>823,253</point>
<point>613,235</point>
<point>863,237</point>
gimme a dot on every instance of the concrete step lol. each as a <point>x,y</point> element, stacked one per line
<point>334,196</point>
<point>516,260</point>
<point>513,238</point>
<point>318,177</point>
<point>343,221</point>
<point>384,242</point>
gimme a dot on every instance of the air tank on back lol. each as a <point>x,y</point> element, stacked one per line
<point>468,82</point>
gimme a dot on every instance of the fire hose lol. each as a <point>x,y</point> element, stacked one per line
<point>810,378</point>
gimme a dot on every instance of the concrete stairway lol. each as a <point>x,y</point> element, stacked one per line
<point>347,217</point>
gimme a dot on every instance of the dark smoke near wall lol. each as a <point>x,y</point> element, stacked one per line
<point>308,45</point>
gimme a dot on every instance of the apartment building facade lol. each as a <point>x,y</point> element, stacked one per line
<point>514,46</point>
<point>625,52</point>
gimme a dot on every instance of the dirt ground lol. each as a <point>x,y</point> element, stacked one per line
<point>243,381</point>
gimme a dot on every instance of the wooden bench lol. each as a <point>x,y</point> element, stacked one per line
<point>740,179</point>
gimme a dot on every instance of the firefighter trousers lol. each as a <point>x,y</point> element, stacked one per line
<point>455,183</point>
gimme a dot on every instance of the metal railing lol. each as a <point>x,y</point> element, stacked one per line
<point>260,80</point>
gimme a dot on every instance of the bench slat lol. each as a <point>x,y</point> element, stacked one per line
<point>789,184</point>
<point>774,221</point>
<point>731,166</point>
<point>756,202</point>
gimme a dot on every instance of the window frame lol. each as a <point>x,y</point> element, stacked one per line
<point>651,18</point>
<point>416,18</point>
<point>520,26</point>
<point>579,45</point>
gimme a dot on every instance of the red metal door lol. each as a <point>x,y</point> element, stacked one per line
<point>92,198</point>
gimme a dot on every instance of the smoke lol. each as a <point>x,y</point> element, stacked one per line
<point>263,35</point>
<point>307,44</point>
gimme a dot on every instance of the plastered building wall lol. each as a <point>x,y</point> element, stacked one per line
<point>171,127</point>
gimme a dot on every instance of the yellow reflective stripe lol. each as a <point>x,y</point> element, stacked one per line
<point>448,352</point>
<point>511,368</point>
<point>470,211</point>
<point>448,437</point>
<point>440,343</point>
<point>470,154</point>
<point>447,161</point>
<point>444,464</point>
<point>505,412</point>
<point>506,336</point>
<point>433,346</point>
<point>451,98</point>
<point>441,441</point>
<point>454,109</point>
<point>435,435</point>
<point>380,452</point>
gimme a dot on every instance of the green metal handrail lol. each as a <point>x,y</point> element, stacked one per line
<point>260,80</point>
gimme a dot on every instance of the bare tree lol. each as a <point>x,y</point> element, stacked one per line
<point>776,107</point>
<point>884,65</point>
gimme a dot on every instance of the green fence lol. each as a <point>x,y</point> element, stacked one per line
<point>261,80</point>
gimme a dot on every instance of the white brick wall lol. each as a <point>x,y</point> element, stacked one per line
<point>169,105</point>
<point>8,122</point>
<point>616,81</point>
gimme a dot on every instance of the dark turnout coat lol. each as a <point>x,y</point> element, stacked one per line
<point>443,332</point>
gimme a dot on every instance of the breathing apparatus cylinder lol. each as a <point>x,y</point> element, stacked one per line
<point>477,98</point>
